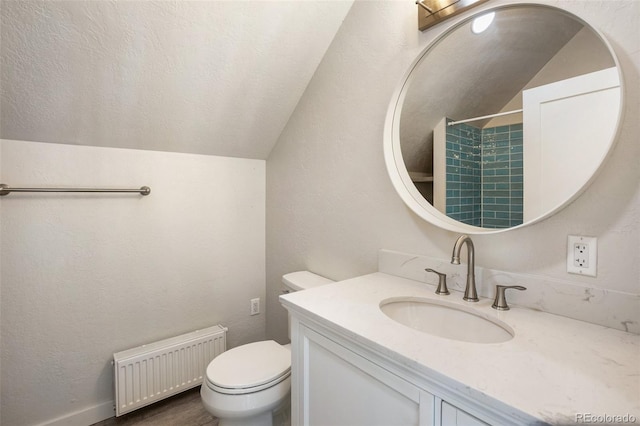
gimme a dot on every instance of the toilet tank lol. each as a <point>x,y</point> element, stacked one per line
<point>301,280</point>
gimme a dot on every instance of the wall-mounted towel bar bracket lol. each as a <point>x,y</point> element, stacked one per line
<point>6,190</point>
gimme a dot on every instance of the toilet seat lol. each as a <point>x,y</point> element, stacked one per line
<point>249,368</point>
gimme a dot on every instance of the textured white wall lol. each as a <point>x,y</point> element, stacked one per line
<point>207,77</point>
<point>84,276</point>
<point>330,204</point>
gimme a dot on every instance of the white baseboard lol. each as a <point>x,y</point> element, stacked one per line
<point>85,417</point>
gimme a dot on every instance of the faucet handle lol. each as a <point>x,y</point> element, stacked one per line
<point>442,282</point>
<point>500,302</point>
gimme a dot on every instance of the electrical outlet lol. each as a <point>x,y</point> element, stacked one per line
<point>255,306</point>
<point>582,255</point>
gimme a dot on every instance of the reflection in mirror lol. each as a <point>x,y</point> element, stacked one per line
<point>502,126</point>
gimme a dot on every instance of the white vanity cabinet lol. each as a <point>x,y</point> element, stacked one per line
<point>336,383</point>
<point>337,386</point>
<point>354,365</point>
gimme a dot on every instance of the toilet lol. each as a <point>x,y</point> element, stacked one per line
<point>249,385</point>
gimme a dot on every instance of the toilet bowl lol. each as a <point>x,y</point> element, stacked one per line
<point>246,384</point>
<point>250,384</point>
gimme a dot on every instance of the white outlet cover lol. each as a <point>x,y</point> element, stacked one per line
<point>255,306</point>
<point>592,243</point>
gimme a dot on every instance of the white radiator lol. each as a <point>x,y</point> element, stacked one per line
<point>152,372</point>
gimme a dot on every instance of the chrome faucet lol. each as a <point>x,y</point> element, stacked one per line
<point>470,293</point>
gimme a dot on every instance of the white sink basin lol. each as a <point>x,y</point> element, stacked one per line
<point>446,320</point>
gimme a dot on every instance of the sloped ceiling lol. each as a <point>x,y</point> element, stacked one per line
<point>208,77</point>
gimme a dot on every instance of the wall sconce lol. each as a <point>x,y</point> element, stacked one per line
<point>432,12</point>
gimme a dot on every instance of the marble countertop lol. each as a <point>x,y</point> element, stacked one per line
<point>552,370</point>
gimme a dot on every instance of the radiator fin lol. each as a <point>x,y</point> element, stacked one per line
<point>156,371</point>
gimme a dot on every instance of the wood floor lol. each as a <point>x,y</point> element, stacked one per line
<point>184,409</point>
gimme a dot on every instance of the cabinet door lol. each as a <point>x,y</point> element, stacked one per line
<point>453,416</point>
<point>340,387</point>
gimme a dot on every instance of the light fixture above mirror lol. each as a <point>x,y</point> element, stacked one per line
<point>538,98</point>
<point>432,12</point>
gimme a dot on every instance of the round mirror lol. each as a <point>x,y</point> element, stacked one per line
<point>504,119</point>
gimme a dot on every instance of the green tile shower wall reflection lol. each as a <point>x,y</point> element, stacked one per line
<point>502,176</point>
<point>485,175</point>
<point>463,158</point>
